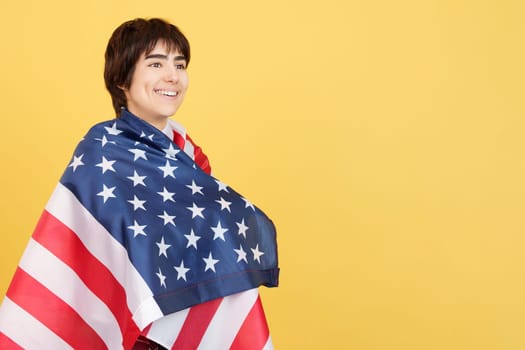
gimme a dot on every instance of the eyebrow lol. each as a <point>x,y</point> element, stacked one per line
<point>165,57</point>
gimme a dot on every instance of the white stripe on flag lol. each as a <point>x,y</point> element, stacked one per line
<point>189,149</point>
<point>108,251</point>
<point>62,281</point>
<point>228,319</point>
<point>166,329</point>
<point>27,331</point>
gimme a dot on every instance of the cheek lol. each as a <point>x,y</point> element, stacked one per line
<point>185,81</point>
<point>142,79</point>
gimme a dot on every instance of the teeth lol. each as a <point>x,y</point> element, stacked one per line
<point>166,93</point>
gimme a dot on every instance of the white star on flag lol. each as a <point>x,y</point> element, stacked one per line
<point>138,154</point>
<point>171,152</point>
<point>168,219</point>
<point>137,229</point>
<point>195,211</point>
<point>194,188</point>
<point>107,193</point>
<point>77,161</point>
<point>224,204</point>
<point>162,278</point>
<point>137,203</point>
<point>168,169</point>
<point>166,195</point>
<point>242,228</point>
<point>210,263</point>
<point>192,239</point>
<point>222,186</point>
<point>219,231</point>
<point>241,254</point>
<point>181,271</point>
<point>113,130</point>
<point>106,165</point>
<point>248,203</point>
<point>104,141</point>
<point>137,179</point>
<point>163,247</point>
<point>143,135</point>
<point>257,254</point>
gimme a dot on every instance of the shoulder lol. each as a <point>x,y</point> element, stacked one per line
<point>105,127</point>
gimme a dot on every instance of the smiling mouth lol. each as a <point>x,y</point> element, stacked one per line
<point>167,93</point>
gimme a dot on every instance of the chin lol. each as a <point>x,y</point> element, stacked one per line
<point>169,111</point>
<point>170,114</point>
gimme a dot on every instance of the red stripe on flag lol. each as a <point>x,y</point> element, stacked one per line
<point>254,332</point>
<point>7,344</point>
<point>200,158</point>
<point>67,246</point>
<point>51,311</point>
<point>195,325</point>
<point>178,140</point>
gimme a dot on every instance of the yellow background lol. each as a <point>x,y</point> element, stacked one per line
<point>385,139</point>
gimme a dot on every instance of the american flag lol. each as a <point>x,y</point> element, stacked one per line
<point>138,239</point>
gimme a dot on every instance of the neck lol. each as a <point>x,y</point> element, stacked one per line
<point>159,123</point>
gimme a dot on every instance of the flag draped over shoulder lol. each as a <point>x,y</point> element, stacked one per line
<point>136,238</point>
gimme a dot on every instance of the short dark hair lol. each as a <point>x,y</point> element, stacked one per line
<point>127,43</point>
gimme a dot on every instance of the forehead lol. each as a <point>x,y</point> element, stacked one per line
<point>163,47</point>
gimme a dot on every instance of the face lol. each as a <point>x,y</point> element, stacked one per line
<point>158,85</point>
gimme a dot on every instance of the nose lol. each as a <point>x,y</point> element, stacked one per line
<point>171,74</point>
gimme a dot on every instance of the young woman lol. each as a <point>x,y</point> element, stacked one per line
<point>139,246</point>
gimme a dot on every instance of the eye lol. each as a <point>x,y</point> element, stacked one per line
<point>180,66</point>
<point>155,65</point>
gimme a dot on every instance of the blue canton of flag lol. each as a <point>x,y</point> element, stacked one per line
<point>191,237</point>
